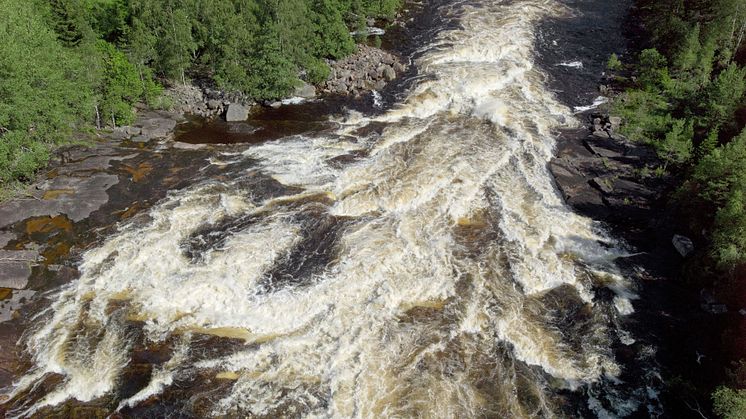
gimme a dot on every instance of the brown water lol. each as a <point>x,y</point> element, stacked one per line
<point>415,261</point>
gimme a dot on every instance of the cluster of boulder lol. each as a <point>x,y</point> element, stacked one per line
<point>368,69</point>
<point>149,125</point>
<point>201,100</point>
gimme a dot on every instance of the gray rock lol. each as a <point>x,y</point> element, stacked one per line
<point>214,104</point>
<point>15,267</point>
<point>119,134</point>
<point>389,73</point>
<point>683,245</point>
<point>236,113</point>
<point>305,91</point>
<point>74,196</point>
<point>601,134</point>
<point>9,306</point>
<point>596,149</point>
<point>156,128</point>
<point>242,128</point>
<point>91,164</point>
<point>6,237</point>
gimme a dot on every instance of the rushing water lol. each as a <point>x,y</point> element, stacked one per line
<point>415,263</point>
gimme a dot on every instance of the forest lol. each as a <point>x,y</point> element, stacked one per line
<point>67,66</point>
<point>684,96</point>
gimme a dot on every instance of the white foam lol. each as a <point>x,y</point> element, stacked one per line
<point>571,64</point>
<point>453,230</point>
<point>598,101</point>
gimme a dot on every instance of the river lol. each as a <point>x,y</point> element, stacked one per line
<point>411,262</point>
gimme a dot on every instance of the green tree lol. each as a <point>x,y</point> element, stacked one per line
<point>121,86</point>
<point>725,95</point>
<point>729,403</point>
<point>44,92</point>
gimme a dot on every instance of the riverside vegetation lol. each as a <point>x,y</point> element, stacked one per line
<point>684,95</point>
<point>68,66</point>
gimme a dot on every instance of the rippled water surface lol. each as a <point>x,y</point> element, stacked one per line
<point>414,263</point>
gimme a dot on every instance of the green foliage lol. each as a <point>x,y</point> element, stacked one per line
<point>271,74</point>
<point>120,86</point>
<point>614,64</point>
<point>647,114</point>
<point>316,71</point>
<point>676,145</point>
<point>65,64</point>
<point>259,47</point>
<point>725,95</point>
<point>44,90</point>
<point>653,69</point>
<point>721,179</point>
<point>729,403</point>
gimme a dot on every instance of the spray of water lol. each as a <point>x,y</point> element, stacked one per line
<point>428,268</point>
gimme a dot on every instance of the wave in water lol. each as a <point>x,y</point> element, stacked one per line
<point>417,263</point>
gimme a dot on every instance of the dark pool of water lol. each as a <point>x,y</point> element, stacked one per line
<point>267,123</point>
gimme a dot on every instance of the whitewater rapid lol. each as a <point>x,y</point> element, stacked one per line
<point>419,263</point>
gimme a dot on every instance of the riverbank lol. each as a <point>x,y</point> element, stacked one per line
<point>626,188</point>
<point>89,191</point>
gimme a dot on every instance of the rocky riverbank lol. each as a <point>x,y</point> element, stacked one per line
<point>368,69</point>
<point>126,167</point>
<point>607,177</point>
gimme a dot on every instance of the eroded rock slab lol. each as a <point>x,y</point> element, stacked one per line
<point>75,197</point>
<point>15,267</point>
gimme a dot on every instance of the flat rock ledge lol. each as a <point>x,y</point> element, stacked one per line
<point>605,176</point>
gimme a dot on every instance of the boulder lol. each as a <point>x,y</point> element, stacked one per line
<point>683,245</point>
<point>214,104</point>
<point>389,73</point>
<point>236,113</point>
<point>306,91</point>
<point>153,128</point>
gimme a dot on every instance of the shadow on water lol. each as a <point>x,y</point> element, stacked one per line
<point>669,328</point>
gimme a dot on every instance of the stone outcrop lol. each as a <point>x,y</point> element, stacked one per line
<point>202,100</point>
<point>368,69</point>
<point>149,125</point>
<point>236,113</point>
<point>602,174</point>
<point>305,91</point>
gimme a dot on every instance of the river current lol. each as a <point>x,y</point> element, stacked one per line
<point>418,262</point>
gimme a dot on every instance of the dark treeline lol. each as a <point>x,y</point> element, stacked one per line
<point>685,97</point>
<point>69,65</point>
